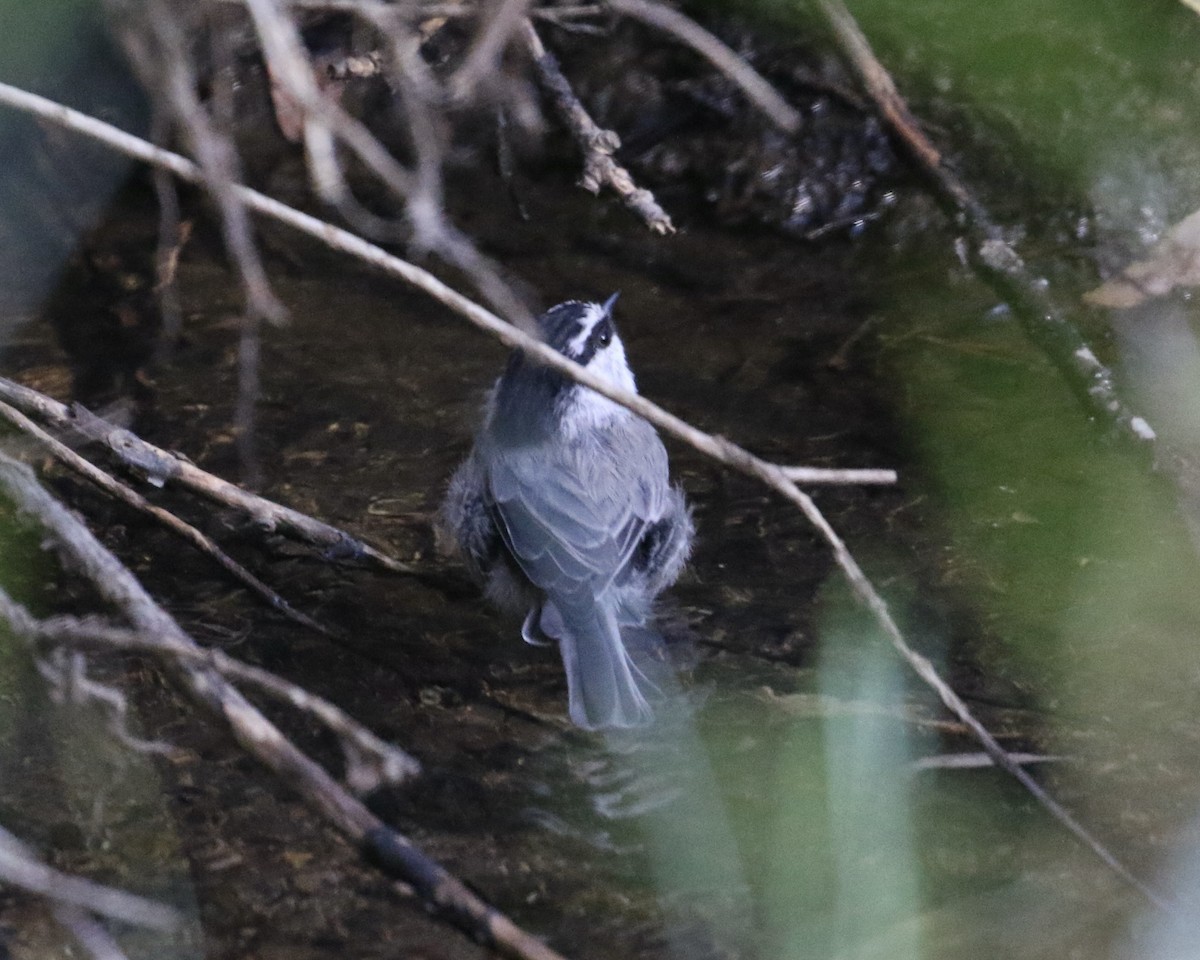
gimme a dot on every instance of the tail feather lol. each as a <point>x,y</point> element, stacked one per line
<point>604,685</point>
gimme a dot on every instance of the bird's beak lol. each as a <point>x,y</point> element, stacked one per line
<point>610,303</point>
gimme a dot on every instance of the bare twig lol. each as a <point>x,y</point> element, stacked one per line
<point>370,761</point>
<point>712,446</point>
<point>160,466</point>
<point>219,161</point>
<point>439,11</point>
<point>216,156</point>
<point>879,83</point>
<point>687,31</point>
<point>1044,321</point>
<point>420,95</point>
<point>323,118</point>
<point>65,672</point>
<point>976,761</point>
<point>324,123</point>
<point>172,235</point>
<point>499,21</point>
<point>823,475</point>
<point>130,497</point>
<point>19,868</point>
<point>598,145</point>
<point>260,738</point>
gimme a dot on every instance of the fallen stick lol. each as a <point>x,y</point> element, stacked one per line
<point>161,466</point>
<point>598,145</point>
<point>131,498</point>
<point>832,475</point>
<point>20,868</point>
<point>391,851</point>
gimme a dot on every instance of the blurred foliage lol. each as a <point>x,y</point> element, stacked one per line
<point>43,43</point>
<point>1091,97</point>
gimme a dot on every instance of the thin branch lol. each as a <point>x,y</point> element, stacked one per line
<point>260,738</point>
<point>217,159</point>
<point>19,868</point>
<point>212,147</point>
<point>419,94</point>
<point>325,122</point>
<point>879,84</point>
<point>499,21</point>
<point>160,466</point>
<point>715,447</point>
<point>130,497</point>
<point>976,761</point>
<point>371,761</point>
<point>172,236</point>
<point>598,145</point>
<point>824,475</point>
<point>437,11</point>
<point>65,672</point>
<point>323,118</point>
<point>1044,321</point>
<point>684,29</point>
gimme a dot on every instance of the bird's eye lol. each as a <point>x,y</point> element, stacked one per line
<point>603,335</point>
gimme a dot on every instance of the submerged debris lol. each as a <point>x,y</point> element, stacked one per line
<point>687,129</point>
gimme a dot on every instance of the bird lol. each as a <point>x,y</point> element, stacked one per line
<point>564,509</point>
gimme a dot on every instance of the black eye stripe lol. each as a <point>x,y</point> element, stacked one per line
<point>586,354</point>
<point>602,334</point>
<point>564,324</point>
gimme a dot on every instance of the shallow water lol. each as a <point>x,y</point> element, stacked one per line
<point>775,811</point>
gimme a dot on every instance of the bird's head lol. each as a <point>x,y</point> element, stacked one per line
<point>585,332</point>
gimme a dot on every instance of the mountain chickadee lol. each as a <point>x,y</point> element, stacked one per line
<point>564,509</point>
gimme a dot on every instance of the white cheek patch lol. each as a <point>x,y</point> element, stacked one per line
<point>610,363</point>
<point>595,313</point>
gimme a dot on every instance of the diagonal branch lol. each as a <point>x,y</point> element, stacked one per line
<point>371,761</point>
<point>159,466</point>
<point>598,145</point>
<point>684,29</point>
<point>19,868</point>
<point>1044,321</point>
<point>130,497</point>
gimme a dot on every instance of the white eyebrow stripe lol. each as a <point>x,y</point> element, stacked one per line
<point>594,314</point>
